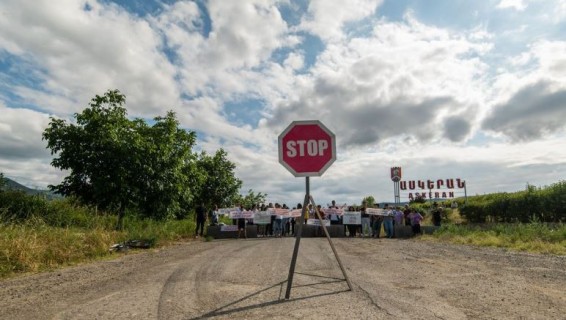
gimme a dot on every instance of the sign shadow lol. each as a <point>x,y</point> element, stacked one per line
<point>227,310</point>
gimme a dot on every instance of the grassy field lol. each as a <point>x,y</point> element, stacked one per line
<point>66,234</point>
<point>530,237</point>
<point>35,246</point>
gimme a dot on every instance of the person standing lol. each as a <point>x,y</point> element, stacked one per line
<point>351,227</point>
<point>334,217</point>
<point>200,217</point>
<point>397,220</point>
<point>377,220</point>
<point>388,222</point>
<point>214,216</point>
<point>285,223</point>
<point>436,214</point>
<point>272,221</point>
<point>365,220</point>
<point>242,224</point>
<point>406,214</point>
<point>398,217</point>
<point>309,212</point>
<point>416,219</point>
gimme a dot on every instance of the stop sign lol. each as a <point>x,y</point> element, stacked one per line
<point>307,148</point>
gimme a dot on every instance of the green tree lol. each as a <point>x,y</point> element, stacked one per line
<point>250,199</point>
<point>2,181</point>
<point>219,184</point>
<point>167,169</point>
<point>418,199</point>
<point>369,200</point>
<point>117,163</point>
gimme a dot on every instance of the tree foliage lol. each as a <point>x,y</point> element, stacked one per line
<point>219,183</point>
<point>116,163</point>
<point>99,151</point>
<point>369,200</point>
<point>418,199</point>
<point>250,199</point>
<point>2,181</point>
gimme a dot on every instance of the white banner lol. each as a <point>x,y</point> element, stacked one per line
<point>247,214</point>
<point>336,211</point>
<point>262,217</point>
<point>375,211</point>
<point>229,227</point>
<point>316,222</point>
<point>295,213</point>
<point>352,217</point>
<point>226,211</point>
<point>279,212</point>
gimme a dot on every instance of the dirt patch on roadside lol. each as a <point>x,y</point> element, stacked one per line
<point>244,279</point>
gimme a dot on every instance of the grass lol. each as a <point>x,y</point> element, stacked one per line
<point>530,237</point>
<point>35,246</point>
<point>64,234</point>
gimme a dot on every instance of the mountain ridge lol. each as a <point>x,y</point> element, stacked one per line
<point>16,186</point>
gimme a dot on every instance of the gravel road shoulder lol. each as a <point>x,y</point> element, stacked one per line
<point>245,279</point>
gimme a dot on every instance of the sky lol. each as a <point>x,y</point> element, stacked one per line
<point>444,89</point>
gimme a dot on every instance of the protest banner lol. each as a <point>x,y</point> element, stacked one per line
<point>316,222</point>
<point>295,213</point>
<point>262,217</point>
<point>352,217</point>
<point>336,211</point>
<point>246,214</point>
<point>228,227</point>
<point>279,212</point>
<point>375,211</point>
<point>226,211</point>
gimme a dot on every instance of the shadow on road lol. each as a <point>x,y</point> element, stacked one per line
<point>224,310</point>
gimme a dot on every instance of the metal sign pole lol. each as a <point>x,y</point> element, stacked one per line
<point>298,240</point>
<point>331,244</point>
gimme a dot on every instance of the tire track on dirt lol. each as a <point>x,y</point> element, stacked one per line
<point>196,280</point>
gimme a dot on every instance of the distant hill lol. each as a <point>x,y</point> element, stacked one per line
<point>13,185</point>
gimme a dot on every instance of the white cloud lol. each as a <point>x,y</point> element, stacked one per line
<point>221,62</point>
<point>531,99</point>
<point>23,154</point>
<point>20,134</point>
<point>403,93</point>
<point>518,5</point>
<point>326,19</point>
<point>83,53</point>
<point>406,79</point>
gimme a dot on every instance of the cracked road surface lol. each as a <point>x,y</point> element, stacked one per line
<point>246,279</point>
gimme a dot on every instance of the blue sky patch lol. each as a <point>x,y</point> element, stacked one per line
<point>293,11</point>
<point>16,71</point>
<point>244,112</point>
<point>312,46</point>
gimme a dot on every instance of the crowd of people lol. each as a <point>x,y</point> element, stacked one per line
<point>392,216</point>
<point>283,226</point>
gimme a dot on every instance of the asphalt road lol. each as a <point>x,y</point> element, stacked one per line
<point>246,279</point>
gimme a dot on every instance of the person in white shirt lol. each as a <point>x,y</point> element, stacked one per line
<point>388,222</point>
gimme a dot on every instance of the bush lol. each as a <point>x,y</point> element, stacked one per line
<point>19,206</point>
<point>546,204</point>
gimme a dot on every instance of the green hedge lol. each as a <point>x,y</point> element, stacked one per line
<point>547,204</point>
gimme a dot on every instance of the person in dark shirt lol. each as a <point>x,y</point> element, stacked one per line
<point>200,218</point>
<point>406,214</point>
<point>436,214</point>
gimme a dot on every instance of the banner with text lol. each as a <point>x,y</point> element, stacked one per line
<point>352,217</point>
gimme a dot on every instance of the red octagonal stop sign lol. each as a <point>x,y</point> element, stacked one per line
<point>307,148</point>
